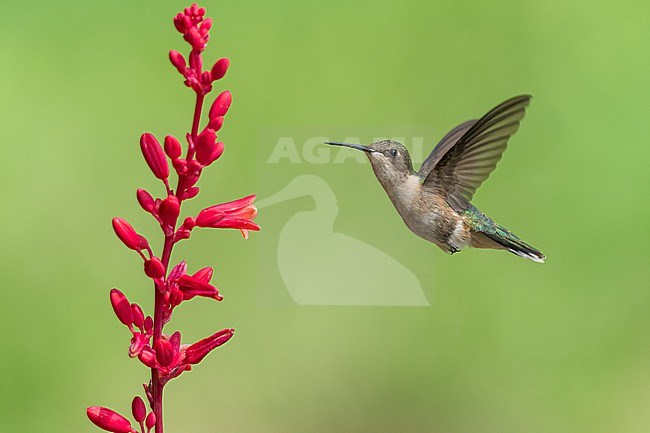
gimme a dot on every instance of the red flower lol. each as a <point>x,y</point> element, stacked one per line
<point>149,343</point>
<point>237,214</point>
<point>192,286</point>
<point>197,351</point>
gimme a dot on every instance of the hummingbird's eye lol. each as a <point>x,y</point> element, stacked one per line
<point>393,152</point>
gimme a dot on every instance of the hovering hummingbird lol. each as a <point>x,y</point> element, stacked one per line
<point>435,202</point>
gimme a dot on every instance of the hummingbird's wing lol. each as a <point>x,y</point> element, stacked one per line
<point>443,146</point>
<point>465,164</point>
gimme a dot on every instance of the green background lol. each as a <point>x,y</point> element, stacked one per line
<point>507,345</point>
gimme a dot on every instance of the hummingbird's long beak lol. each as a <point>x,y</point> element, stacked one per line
<point>353,146</point>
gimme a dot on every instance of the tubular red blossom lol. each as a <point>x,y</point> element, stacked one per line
<point>237,214</point>
<point>122,307</point>
<point>154,156</point>
<point>197,351</point>
<point>138,409</point>
<point>154,268</point>
<point>109,420</point>
<point>145,200</point>
<point>221,105</point>
<point>220,68</point>
<point>173,147</point>
<point>126,233</point>
<point>191,285</point>
<point>164,352</point>
<point>169,210</point>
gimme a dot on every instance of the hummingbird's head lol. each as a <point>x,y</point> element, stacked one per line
<point>389,159</point>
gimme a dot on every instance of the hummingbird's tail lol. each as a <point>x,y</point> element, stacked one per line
<point>512,243</point>
<point>488,234</point>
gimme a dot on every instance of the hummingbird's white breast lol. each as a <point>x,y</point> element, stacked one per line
<point>426,213</point>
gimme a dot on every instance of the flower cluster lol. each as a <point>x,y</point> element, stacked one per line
<point>163,353</point>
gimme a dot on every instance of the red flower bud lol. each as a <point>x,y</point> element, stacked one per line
<point>164,352</point>
<point>189,223</point>
<point>207,150</point>
<point>122,307</point>
<point>154,156</point>
<point>126,233</point>
<point>138,315</point>
<point>138,409</point>
<point>221,105</point>
<point>191,193</point>
<point>154,268</point>
<point>219,69</point>
<point>206,25</point>
<point>180,165</point>
<point>197,351</point>
<point>178,60</point>
<point>148,358</point>
<point>169,210</point>
<point>173,147</point>
<point>216,123</point>
<point>148,325</point>
<point>109,420</point>
<point>146,200</point>
<point>182,22</point>
<point>151,420</point>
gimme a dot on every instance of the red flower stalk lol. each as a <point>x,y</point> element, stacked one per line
<point>163,353</point>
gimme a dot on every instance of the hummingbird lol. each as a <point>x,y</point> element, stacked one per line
<point>435,201</point>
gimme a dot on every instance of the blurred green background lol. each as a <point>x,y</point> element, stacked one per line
<point>507,345</point>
